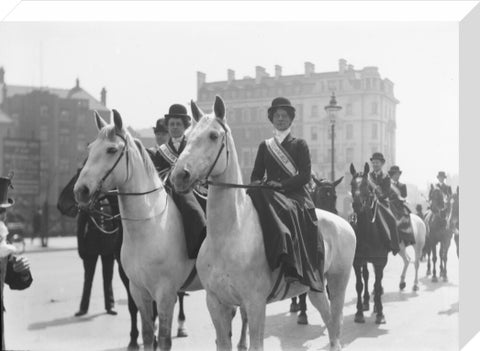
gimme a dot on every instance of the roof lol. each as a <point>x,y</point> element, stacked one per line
<point>4,118</point>
<point>75,93</point>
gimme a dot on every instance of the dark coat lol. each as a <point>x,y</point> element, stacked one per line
<point>294,186</point>
<point>15,280</point>
<point>160,163</point>
<point>383,182</point>
<point>91,241</point>
<point>402,213</point>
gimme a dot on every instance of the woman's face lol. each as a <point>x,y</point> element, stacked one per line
<point>377,165</point>
<point>176,128</point>
<point>281,120</point>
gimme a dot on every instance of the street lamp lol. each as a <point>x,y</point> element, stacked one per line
<point>332,108</point>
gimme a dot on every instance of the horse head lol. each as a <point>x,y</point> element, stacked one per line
<point>207,151</point>
<point>361,193</point>
<point>108,165</point>
<point>324,195</point>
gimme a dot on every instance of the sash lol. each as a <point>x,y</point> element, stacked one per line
<point>282,157</point>
<point>168,154</point>
<point>397,191</point>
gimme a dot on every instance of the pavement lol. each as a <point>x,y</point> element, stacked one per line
<point>41,317</point>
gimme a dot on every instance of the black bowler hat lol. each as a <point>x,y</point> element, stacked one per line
<point>178,111</point>
<point>281,102</point>
<point>441,174</point>
<point>377,156</point>
<point>394,169</point>
<point>5,183</point>
<point>161,126</point>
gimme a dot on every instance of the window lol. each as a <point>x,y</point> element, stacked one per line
<point>349,129</point>
<point>367,83</point>
<point>43,110</point>
<point>314,111</point>
<point>348,110</point>
<point>349,154</point>
<point>328,155</point>
<point>374,130</point>
<point>253,114</point>
<point>314,133</point>
<point>374,108</point>
<point>314,155</point>
<point>246,115</point>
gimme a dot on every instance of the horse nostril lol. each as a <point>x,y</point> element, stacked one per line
<point>85,191</point>
<point>186,174</point>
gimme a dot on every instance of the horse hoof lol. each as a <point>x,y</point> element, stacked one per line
<point>302,319</point>
<point>366,306</point>
<point>133,346</point>
<point>294,307</point>
<point>402,285</point>
<point>415,288</point>
<point>380,319</point>
<point>359,318</point>
<point>242,348</point>
<point>182,333</point>
<point>428,273</point>
<point>374,309</point>
<point>445,279</point>
<point>434,280</point>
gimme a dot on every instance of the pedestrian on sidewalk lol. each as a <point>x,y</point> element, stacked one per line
<point>97,237</point>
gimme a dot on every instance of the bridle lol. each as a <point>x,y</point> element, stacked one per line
<point>372,197</point>
<point>90,208</point>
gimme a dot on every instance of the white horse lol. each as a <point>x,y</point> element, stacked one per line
<point>231,263</point>
<point>154,253</point>
<point>419,233</point>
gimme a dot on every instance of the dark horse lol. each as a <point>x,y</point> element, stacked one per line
<point>370,246</point>
<point>324,197</point>
<point>454,218</point>
<point>438,232</point>
<point>68,207</point>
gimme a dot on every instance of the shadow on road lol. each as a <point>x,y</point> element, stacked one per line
<point>453,309</point>
<point>62,321</point>
<point>429,286</point>
<point>291,335</point>
<point>352,331</point>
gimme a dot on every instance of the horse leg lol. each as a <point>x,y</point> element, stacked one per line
<point>429,268</point>
<point>165,305</point>
<point>418,255</point>
<point>366,294</point>
<point>132,309</point>
<point>321,303</point>
<point>434,260</point>
<point>256,322</point>
<point>222,316</point>
<point>378,291</point>
<point>406,260</point>
<point>302,317</point>
<point>294,307</point>
<point>359,318</point>
<point>457,237</point>
<point>182,331</point>
<point>144,304</point>
<point>242,343</point>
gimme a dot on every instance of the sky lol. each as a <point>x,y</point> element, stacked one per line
<point>147,66</point>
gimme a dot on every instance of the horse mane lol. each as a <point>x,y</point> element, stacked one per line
<point>109,132</point>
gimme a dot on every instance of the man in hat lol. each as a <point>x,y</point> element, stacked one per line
<point>161,137</point>
<point>384,219</point>
<point>398,195</point>
<point>419,211</point>
<point>14,270</point>
<point>286,211</point>
<point>193,214</point>
<point>444,188</point>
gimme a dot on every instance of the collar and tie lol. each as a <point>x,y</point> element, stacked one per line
<point>176,142</point>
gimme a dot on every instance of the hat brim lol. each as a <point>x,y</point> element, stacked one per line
<point>441,176</point>
<point>271,108</point>
<point>394,172</point>
<point>178,116</point>
<point>10,203</point>
<point>159,130</point>
<point>378,159</point>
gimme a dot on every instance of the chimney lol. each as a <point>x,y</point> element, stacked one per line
<point>342,65</point>
<point>350,67</point>
<point>309,69</point>
<point>4,95</point>
<point>2,75</point>
<point>77,83</point>
<point>278,71</point>
<point>103,96</point>
<point>260,72</point>
<point>201,79</point>
<point>230,75</point>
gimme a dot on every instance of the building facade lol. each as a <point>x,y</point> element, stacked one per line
<point>60,122</point>
<point>365,124</point>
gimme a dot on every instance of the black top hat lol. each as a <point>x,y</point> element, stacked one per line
<point>281,102</point>
<point>5,183</point>
<point>161,126</point>
<point>441,174</point>
<point>394,169</point>
<point>377,156</point>
<point>178,111</point>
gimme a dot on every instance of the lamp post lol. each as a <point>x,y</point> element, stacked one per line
<point>332,108</point>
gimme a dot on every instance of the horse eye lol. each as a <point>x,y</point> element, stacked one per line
<point>111,150</point>
<point>213,135</point>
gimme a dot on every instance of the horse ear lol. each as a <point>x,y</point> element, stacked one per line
<point>99,121</point>
<point>353,171</point>
<point>117,120</point>
<point>219,107</point>
<point>197,113</point>
<point>338,181</point>
<point>366,169</point>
